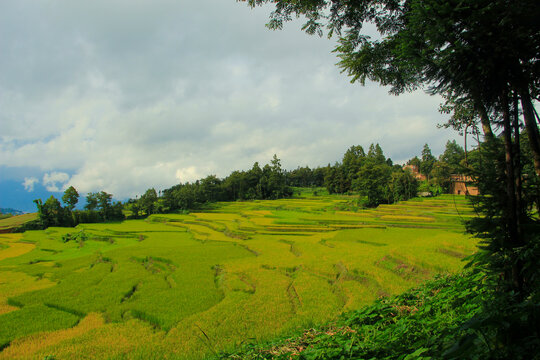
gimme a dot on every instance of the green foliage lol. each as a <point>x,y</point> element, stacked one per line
<point>372,176</point>
<point>503,251</point>
<point>87,216</point>
<point>430,187</point>
<point>422,323</point>
<point>306,177</point>
<point>270,182</point>
<point>415,161</point>
<point>336,180</point>
<point>51,212</point>
<point>352,161</point>
<point>428,161</point>
<point>510,248</point>
<point>70,198</point>
<point>373,181</point>
<point>79,236</point>
<point>148,201</point>
<point>453,156</point>
<point>99,208</point>
<point>91,201</point>
<point>403,186</point>
<point>441,176</point>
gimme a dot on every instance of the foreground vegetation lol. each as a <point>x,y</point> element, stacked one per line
<point>423,323</point>
<point>190,285</point>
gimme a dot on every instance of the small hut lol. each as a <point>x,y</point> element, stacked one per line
<point>462,185</point>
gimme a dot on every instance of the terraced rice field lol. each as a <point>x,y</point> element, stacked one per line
<point>8,224</point>
<point>186,286</point>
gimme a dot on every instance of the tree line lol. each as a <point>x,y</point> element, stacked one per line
<point>371,175</point>
<point>99,208</point>
<point>266,183</point>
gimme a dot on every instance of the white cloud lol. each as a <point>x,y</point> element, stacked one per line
<point>29,183</point>
<point>55,181</point>
<point>188,174</point>
<point>148,95</point>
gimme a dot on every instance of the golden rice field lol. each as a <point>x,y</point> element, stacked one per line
<point>187,286</point>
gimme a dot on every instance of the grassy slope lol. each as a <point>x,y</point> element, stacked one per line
<point>189,285</point>
<point>12,222</point>
<point>423,323</point>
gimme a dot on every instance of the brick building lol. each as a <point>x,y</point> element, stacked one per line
<point>461,185</point>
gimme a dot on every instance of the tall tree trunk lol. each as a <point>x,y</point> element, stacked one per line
<point>510,170</point>
<point>536,114</point>
<point>484,120</point>
<point>465,143</point>
<point>532,128</point>
<point>517,162</point>
<point>514,274</point>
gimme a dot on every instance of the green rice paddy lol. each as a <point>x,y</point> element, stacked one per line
<point>187,286</point>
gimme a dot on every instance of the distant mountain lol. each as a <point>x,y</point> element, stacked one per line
<point>11,211</point>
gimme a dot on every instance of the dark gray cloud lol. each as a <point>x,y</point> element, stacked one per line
<point>124,95</point>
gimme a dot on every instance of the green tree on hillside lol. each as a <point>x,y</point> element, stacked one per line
<point>101,202</point>
<point>253,177</point>
<point>133,206</point>
<point>376,153</point>
<point>70,198</point>
<point>373,182</point>
<point>415,161</point>
<point>441,175</point>
<point>91,201</point>
<point>104,201</point>
<point>211,188</point>
<point>277,187</point>
<point>302,176</point>
<point>374,177</point>
<point>51,213</point>
<point>352,161</point>
<point>428,161</point>
<point>148,201</point>
<point>336,180</point>
<point>453,156</point>
<point>403,185</point>
<point>235,185</point>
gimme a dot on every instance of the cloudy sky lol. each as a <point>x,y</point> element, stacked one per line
<point>121,95</point>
